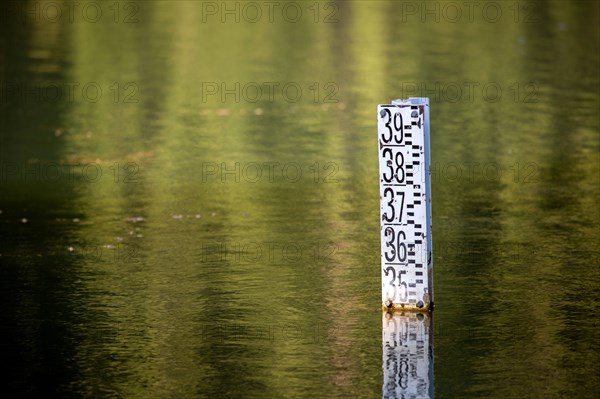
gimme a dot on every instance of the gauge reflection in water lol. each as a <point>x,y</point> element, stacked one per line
<point>408,355</point>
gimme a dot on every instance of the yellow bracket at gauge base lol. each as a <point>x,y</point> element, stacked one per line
<point>403,308</point>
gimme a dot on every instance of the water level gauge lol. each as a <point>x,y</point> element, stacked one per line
<point>405,199</point>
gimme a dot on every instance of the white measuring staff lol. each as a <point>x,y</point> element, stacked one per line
<point>405,198</point>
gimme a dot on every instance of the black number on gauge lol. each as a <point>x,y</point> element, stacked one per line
<point>394,125</point>
<point>396,245</point>
<point>387,272</point>
<point>391,254</point>
<point>395,285</point>
<point>391,218</point>
<point>395,165</point>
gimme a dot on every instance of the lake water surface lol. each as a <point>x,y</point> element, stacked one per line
<point>189,198</point>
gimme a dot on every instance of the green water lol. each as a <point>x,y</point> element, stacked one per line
<point>189,206</point>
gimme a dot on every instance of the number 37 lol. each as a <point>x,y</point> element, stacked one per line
<point>391,217</point>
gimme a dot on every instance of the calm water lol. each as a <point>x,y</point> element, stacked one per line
<point>189,206</point>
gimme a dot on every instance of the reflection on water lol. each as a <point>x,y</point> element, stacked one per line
<point>408,355</point>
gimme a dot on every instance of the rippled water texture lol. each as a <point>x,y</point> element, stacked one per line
<point>189,206</point>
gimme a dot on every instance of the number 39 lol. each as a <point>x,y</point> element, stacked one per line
<point>398,127</point>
